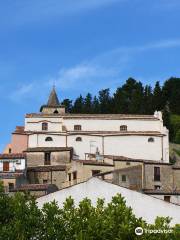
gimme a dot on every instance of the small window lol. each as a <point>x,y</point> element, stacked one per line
<point>45,181</point>
<point>123,128</point>
<point>74,175</point>
<point>123,178</point>
<point>77,127</point>
<point>47,158</point>
<point>95,172</point>
<point>49,139</point>
<point>156,173</point>
<point>56,111</point>
<point>78,139</point>
<point>11,186</point>
<point>69,176</point>
<point>128,163</point>
<point>157,187</point>
<point>167,198</point>
<point>150,139</point>
<point>44,126</point>
<point>10,150</point>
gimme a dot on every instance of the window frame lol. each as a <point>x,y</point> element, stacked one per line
<point>47,161</point>
<point>48,139</point>
<point>123,178</point>
<point>44,126</point>
<point>78,139</point>
<point>157,174</point>
<point>123,128</point>
<point>151,140</point>
<point>77,127</point>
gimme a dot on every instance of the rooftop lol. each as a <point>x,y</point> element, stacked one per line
<point>13,156</point>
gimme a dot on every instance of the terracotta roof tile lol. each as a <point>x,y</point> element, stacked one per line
<point>47,168</point>
<point>13,156</point>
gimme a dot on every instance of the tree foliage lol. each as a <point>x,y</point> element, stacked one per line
<point>133,98</point>
<point>21,219</point>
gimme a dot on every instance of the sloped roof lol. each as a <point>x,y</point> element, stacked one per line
<point>53,99</point>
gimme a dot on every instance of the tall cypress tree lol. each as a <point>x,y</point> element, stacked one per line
<point>78,106</point>
<point>88,104</point>
<point>157,97</point>
<point>105,101</point>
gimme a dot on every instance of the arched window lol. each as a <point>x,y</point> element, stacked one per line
<point>150,139</point>
<point>123,128</point>
<point>48,139</point>
<point>77,127</point>
<point>44,126</point>
<point>56,111</point>
<point>78,139</point>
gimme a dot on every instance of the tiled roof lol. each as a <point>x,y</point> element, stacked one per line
<point>32,187</point>
<point>95,116</point>
<point>13,156</point>
<point>162,192</point>
<point>94,162</point>
<point>118,133</point>
<point>47,168</point>
<point>49,149</point>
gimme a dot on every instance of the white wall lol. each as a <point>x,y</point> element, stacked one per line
<point>13,165</point>
<point>35,124</point>
<point>38,140</point>
<point>173,198</point>
<point>142,205</point>
<point>88,144</point>
<point>113,125</point>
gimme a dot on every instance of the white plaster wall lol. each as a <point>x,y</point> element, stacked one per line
<point>142,205</point>
<point>88,144</point>
<point>166,145</point>
<point>133,147</point>
<point>112,125</point>
<point>38,140</point>
<point>35,124</point>
<point>174,198</point>
<point>13,164</point>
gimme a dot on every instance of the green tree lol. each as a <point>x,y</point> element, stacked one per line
<point>88,108</point>
<point>95,105</point>
<point>171,93</point>
<point>177,137</point>
<point>78,106</point>
<point>105,101</point>
<point>157,97</point>
<point>68,105</point>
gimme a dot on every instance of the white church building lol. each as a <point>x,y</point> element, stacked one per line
<point>133,136</point>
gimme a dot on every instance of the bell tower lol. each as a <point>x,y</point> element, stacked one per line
<point>53,105</point>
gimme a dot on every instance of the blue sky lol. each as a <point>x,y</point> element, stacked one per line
<point>81,46</point>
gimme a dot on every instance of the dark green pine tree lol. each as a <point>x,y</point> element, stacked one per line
<point>105,101</point>
<point>157,101</point>
<point>171,93</point>
<point>167,121</point>
<point>68,105</point>
<point>78,106</point>
<point>120,102</point>
<point>88,108</point>
<point>147,100</point>
<point>95,105</point>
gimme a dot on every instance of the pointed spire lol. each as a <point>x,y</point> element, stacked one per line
<point>53,98</point>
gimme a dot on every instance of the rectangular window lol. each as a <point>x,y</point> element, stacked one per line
<point>156,173</point>
<point>74,175</point>
<point>77,127</point>
<point>157,187</point>
<point>128,163</point>
<point>123,178</point>
<point>44,126</point>
<point>45,181</point>
<point>47,158</point>
<point>167,198</point>
<point>11,186</point>
<point>5,166</point>
<point>95,172</point>
<point>69,176</point>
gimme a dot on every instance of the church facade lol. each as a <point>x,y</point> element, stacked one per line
<point>81,135</point>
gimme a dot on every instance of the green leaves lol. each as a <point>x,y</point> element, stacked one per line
<point>22,220</point>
